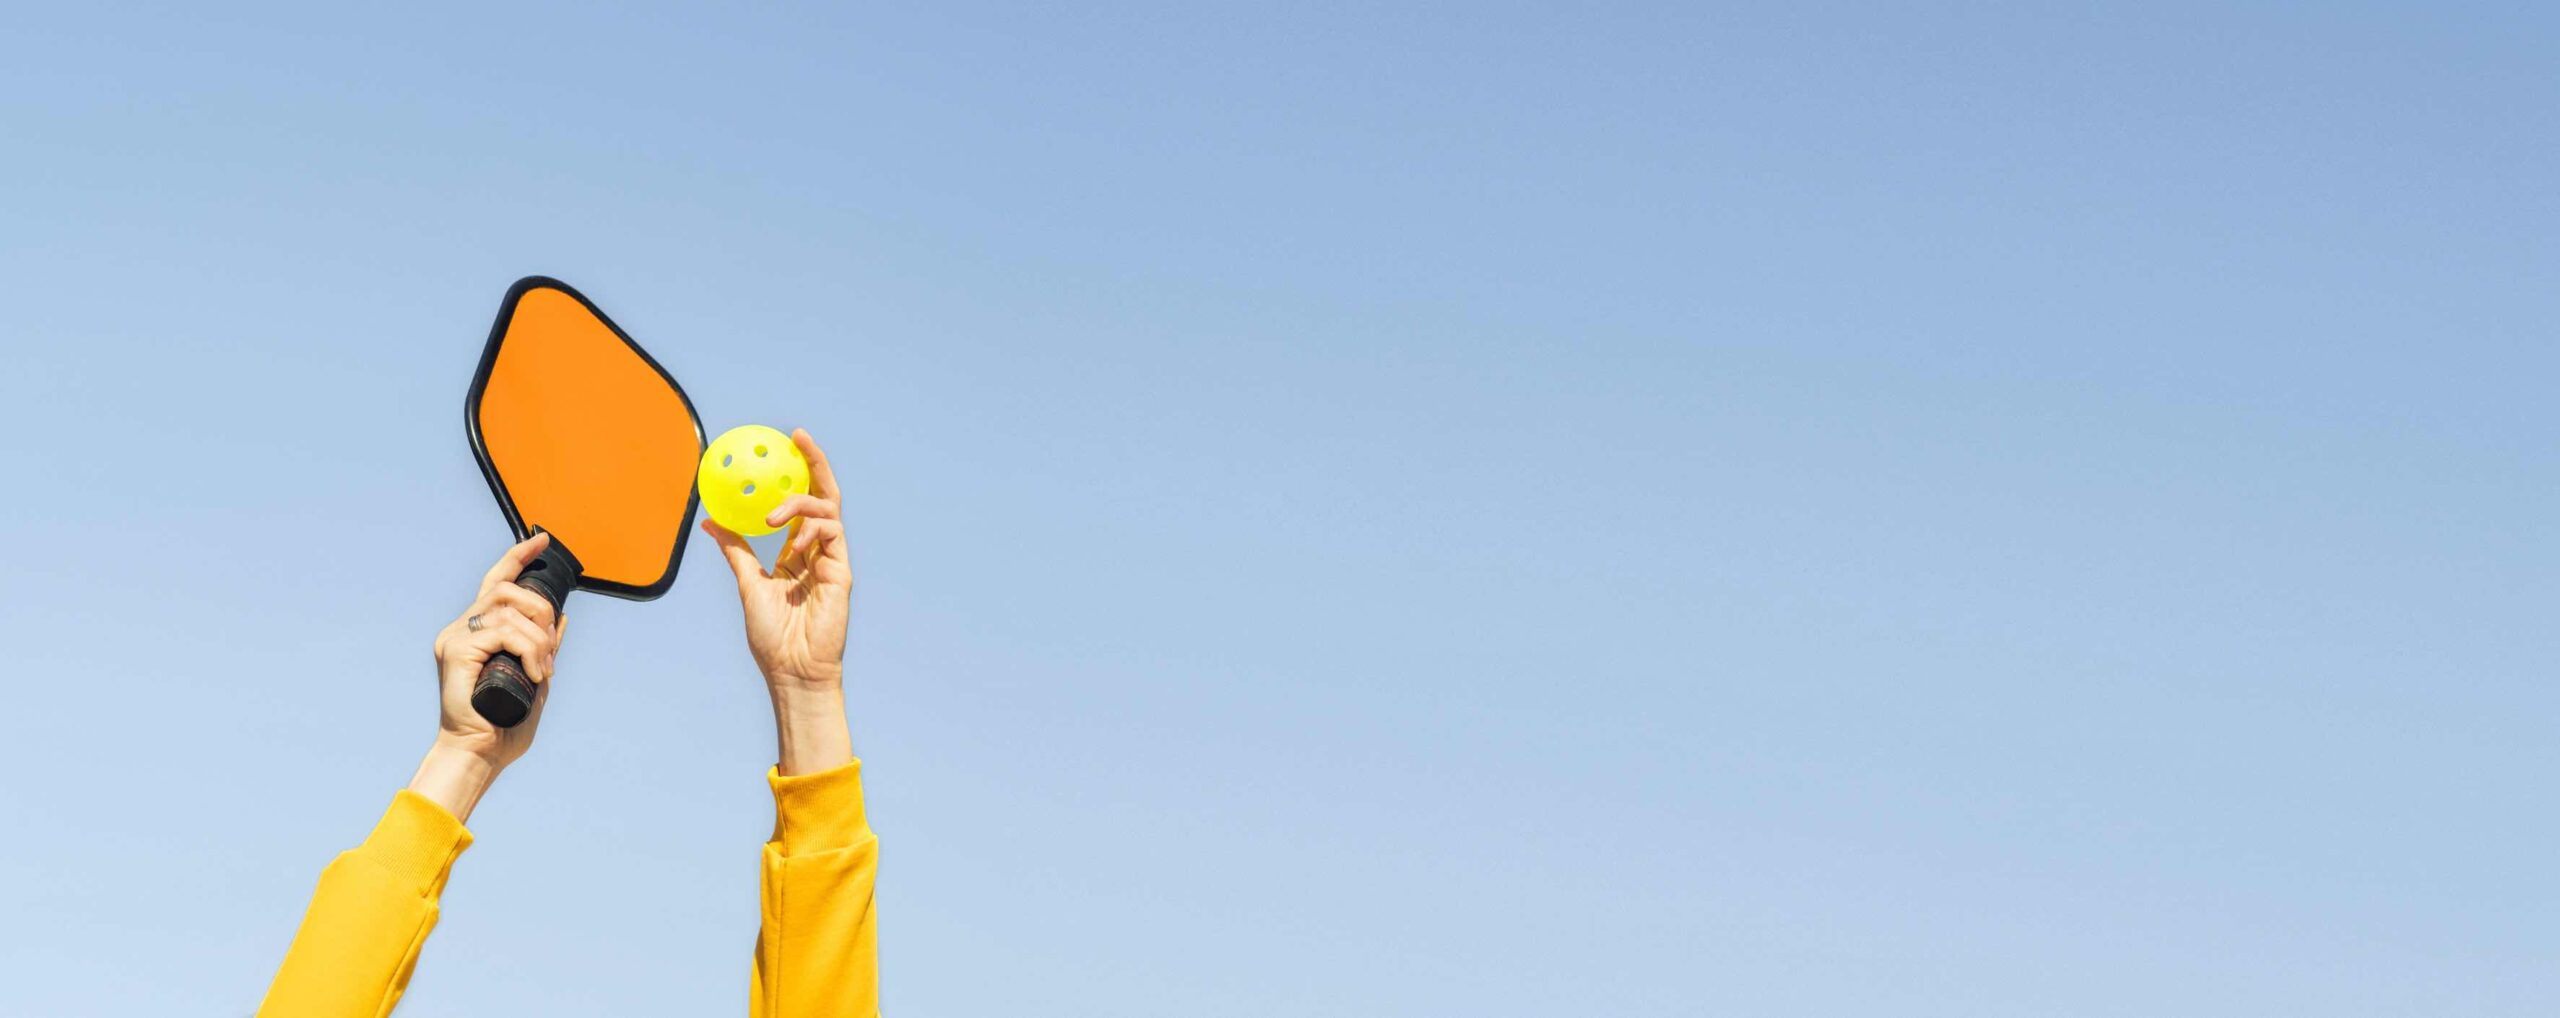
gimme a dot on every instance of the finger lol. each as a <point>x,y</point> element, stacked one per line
<point>511,564</point>
<point>822,477</point>
<point>497,616</point>
<point>533,646</point>
<point>742,559</point>
<point>798,506</point>
<point>518,637</point>
<point>811,537</point>
<point>784,565</point>
<point>511,595</point>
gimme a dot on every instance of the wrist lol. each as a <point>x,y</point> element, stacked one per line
<point>818,679</point>
<point>810,734</point>
<point>455,777</point>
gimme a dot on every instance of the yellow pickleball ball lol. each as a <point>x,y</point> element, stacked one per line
<point>745,473</point>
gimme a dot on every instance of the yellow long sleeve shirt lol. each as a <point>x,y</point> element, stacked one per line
<point>815,953</point>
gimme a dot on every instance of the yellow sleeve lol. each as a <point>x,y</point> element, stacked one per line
<point>360,939</point>
<point>815,955</point>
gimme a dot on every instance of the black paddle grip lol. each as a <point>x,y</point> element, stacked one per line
<point>504,694</point>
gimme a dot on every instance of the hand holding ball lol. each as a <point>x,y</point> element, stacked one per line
<point>746,473</point>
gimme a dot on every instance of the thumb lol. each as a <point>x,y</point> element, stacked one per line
<point>742,559</point>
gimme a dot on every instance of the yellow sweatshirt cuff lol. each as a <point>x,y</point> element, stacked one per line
<point>818,812</point>
<point>417,842</point>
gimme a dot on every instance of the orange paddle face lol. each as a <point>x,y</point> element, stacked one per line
<point>580,433</point>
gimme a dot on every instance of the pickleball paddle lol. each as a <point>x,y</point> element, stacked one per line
<point>582,434</point>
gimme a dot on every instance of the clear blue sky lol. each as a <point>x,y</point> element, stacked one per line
<point>1361,509</point>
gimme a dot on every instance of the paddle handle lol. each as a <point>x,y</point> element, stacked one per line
<point>504,694</point>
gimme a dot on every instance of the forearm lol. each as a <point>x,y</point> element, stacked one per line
<point>454,778</point>
<point>810,734</point>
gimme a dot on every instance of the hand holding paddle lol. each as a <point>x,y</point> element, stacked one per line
<point>505,620</point>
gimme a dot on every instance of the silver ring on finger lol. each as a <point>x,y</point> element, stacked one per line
<point>472,623</point>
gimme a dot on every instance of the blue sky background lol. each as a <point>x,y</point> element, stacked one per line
<point>1412,509</point>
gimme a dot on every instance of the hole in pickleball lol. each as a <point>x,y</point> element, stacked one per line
<point>724,459</point>
<point>759,452</point>
<point>786,482</point>
<point>749,489</point>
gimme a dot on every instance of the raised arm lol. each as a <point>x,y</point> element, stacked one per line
<point>376,903</point>
<point>815,955</point>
